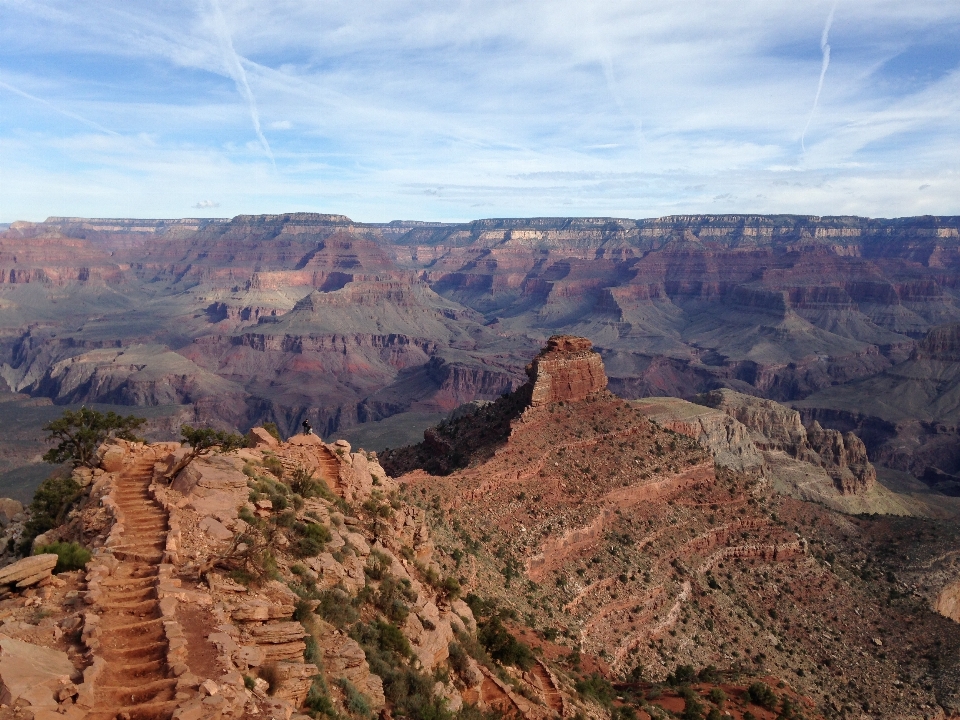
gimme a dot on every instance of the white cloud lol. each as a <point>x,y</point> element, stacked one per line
<point>206,205</point>
<point>522,107</point>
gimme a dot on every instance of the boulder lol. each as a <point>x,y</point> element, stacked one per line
<point>9,509</point>
<point>32,673</point>
<point>36,566</point>
<point>284,652</point>
<point>113,458</point>
<point>260,439</point>
<point>293,681</point>
<point>215,529</point>
<point>83,476</point>
<point>259,610</point>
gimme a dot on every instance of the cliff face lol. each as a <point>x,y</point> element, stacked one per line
<point>567,369</point>
<point>777,427</point>
<point>619,537</point>
<point>941,343</point>
<point>321,317</point>
<point>730,441</point>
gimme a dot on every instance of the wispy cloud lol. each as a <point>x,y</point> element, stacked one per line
<point>60,111</point>
<point>824,64</point>
<point>519,107</point>
<point>234,66</point>
<point>206,205</point>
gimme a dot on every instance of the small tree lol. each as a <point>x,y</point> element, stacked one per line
<point>80,433</point>
<point>203,441</point>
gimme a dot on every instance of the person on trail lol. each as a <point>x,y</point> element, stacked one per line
<point>307,430</point>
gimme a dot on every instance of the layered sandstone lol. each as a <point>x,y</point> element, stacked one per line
<point>567,369</point>
<point>729,440</point>
<point>779,428</point>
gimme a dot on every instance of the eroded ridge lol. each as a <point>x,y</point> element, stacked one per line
<point>134,681</point>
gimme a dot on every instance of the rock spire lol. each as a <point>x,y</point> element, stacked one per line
<point>566,369</point>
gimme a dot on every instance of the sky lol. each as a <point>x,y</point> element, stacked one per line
<point>459,109</point>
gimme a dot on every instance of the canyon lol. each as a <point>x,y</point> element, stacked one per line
<point>556,552</point>
<point>377,330</point>
<point>656,534</point>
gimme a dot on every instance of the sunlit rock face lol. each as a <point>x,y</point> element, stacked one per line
<point>567,369</point>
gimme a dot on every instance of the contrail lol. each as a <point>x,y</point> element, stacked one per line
<point>239,75</point>
<point>606,64</point>
<point>65,113</point>
<point>825,49</point>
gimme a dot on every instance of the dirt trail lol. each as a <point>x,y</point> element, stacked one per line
<point>550,692</point>
<point>135,683</point>
<point>492,696</point>
<point>329,468</point>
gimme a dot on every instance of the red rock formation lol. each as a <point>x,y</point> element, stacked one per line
<point>567,369</point>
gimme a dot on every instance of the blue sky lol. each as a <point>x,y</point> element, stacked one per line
<point>458,110</point>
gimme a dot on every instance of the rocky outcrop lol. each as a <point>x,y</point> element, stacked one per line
<point>728,439</point>
<point>778,428</point>
<point>34,675</point>
<point>344,658</point>
<point>941,343</point>
<point>567,369</point>
<point>947,602</point>
<point>844,456</point>
<point>28,571</point>
<point>778,424</point>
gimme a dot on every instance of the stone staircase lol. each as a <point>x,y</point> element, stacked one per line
<point>130,644</point>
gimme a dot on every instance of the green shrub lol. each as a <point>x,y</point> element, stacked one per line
<point>248,517</point>
<point>717,696</point>
<point>597,687</point>
<point>450,587</point>
<point>760,694</point>
<point>408,691</point>
<point>692,707</point>
<point>354,700</point>
<point>709,674</point>
<point>51,502</point>
<point>318,701</point>
<point>70,555</point>
<point>311,539</point>
<point>378,565</point>
<point>274,466</point>
<point>494,637</point>
<point>502,646</point>
<point>81,433</point>
<point>335,608</point>
<point>683,675</point>
<point>392,597</point>
<point>285,519</point>
<point>203,441</point>
<point>458,659</point>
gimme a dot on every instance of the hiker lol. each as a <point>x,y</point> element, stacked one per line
<point>307,430</point>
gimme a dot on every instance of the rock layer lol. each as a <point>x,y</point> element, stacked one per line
<point>567,369</point>
<point>843,456</point>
